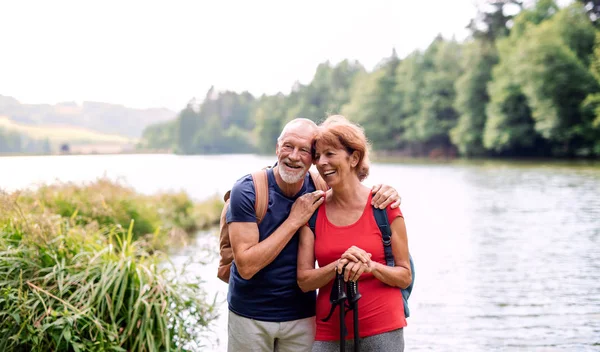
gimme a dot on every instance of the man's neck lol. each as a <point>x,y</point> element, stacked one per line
<point>288,189</point>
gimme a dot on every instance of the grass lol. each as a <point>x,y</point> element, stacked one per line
<point>160,219</point>
<point>79,271</point>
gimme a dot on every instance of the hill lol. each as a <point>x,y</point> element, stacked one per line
<point>95,116</point>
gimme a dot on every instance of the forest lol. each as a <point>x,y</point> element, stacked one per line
<point>525,84</point>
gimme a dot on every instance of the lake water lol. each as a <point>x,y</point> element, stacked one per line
<point>507,255</point>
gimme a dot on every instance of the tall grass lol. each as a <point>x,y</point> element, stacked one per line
<point>160,219</point>
<point>73,278</point>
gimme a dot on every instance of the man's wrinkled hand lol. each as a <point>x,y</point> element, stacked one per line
<point>305,206</point>
<point>384,195</point>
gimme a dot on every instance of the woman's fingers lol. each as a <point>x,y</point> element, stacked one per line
<point>350,257</point>
<point>340,264</point>
<point>356,254</point>
<point>348,271</point>
<point>354,270</point>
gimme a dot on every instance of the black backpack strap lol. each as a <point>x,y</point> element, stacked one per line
<point>312,222</point>
<point>386,234</point>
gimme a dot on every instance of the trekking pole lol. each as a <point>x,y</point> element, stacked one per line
<point>342,316</point>
<point>353,297</point>
<point>338,298</point>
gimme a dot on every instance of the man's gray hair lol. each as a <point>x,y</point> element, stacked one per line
<point>297,122</point>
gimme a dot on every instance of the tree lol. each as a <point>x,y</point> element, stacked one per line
<point>593,9</point>
<point>438,116</point>
<point>188,123</point>
<point>545,69</point>
<point>472,97</point>
<point>269,116</point>
<point>380,108</point>
<point>492,22</point>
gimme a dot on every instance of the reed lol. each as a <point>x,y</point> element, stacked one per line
<point>73,278</point>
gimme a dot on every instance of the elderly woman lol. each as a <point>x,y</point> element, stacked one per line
<point>347,238</point>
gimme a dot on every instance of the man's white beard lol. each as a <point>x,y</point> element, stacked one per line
<point>291,177</point>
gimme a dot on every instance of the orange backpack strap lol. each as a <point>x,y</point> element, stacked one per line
<point>225,250</point>
<point>261,190</point>
<point>319,182</point>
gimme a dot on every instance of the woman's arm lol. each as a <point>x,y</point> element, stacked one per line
<point>309,278</point>
<point>399,275</point>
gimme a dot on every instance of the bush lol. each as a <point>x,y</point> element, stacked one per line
<point>73,279</point>
<point>107,203</point>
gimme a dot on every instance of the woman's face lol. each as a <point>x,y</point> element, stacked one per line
<point>333,163</point>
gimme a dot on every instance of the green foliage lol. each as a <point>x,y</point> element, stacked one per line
<point>523,84</point>
<point>10,142</point>
<point>270,116</point>
<point>472,97</point>
<point>105,204</point>
<point>377,112</point>
<point>542,73</point>
<point>492,24</point>
<point>541,11</point>
<point>72,285</point>
<point>159,136</point>
<point>14,142</point>
<point>437,115</point>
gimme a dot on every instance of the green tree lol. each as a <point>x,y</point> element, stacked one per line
<point>380,106</point>
<point>544,69</point>
<point>269,115</point>
<point>326,94</point>
<point>438,116</point>
<point>10,141</point>
<point>159,136</point>
<point>188,123</point>
<point>593,9</point>
<point>472,97</point>
<point>492,22</point>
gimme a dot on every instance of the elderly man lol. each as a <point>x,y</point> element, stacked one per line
<point>267,309</point>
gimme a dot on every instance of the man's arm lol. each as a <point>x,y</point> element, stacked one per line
<point>250,255</point>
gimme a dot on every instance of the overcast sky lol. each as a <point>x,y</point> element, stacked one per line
<point>163,53</point>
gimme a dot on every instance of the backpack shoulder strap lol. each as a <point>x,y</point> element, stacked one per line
<point>319,182</point>
<point>386,234</point>
<point>312,222</point>
<point>261,189</point>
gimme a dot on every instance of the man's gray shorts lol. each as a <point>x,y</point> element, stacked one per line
<point>246,334</point>
<point>388,341</point>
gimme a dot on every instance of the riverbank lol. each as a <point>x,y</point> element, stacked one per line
<point>84,267</point>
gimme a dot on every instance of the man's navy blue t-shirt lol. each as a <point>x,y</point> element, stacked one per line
<point>273,293</point>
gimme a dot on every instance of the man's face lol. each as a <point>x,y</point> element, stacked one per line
<point>294,154</point>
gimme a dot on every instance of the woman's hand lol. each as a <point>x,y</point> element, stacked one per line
<point>356,261</point>
<point>355,254</point>
<point>354,270</point>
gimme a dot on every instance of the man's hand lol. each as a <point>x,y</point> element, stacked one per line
<point>384,195</point>
<point>305,206</point>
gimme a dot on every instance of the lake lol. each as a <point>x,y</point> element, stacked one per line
<point>507,254</point>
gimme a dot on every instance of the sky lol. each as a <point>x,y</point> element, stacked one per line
<point>149,53</point>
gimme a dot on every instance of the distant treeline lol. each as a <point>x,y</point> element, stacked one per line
<point>521,85</point>
<point>14,142</point>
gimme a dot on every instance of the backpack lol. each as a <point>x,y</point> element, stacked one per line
<point>261,189</point>
<point>386,236</point>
